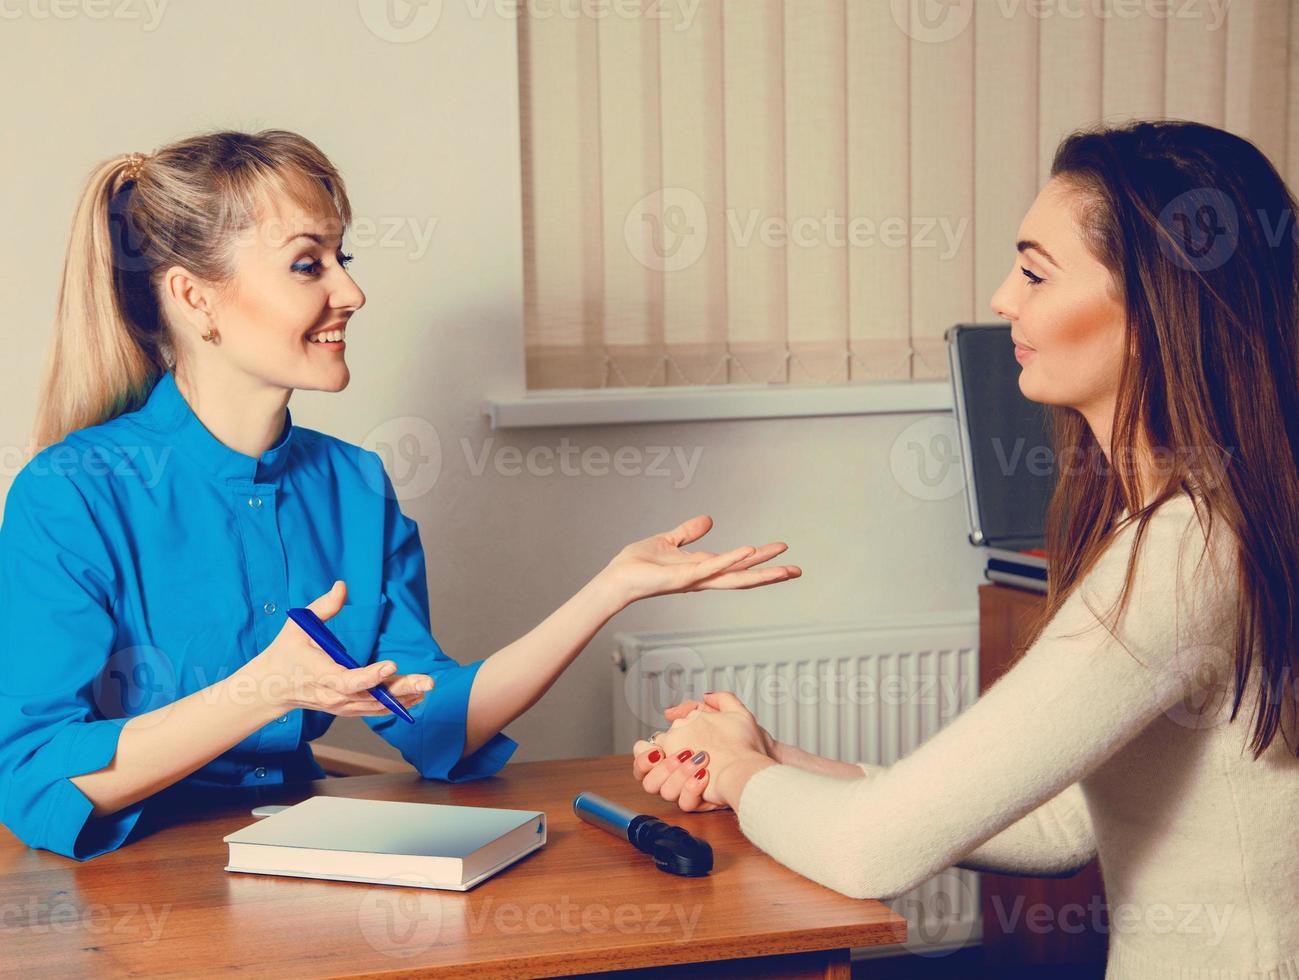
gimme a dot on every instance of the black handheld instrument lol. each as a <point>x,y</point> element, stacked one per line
<point>673,849</point>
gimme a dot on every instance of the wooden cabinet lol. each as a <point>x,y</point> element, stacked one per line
<point>1032,920</point>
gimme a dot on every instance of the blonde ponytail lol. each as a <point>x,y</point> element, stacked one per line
<point>136,218</point>
<point>95,369</point>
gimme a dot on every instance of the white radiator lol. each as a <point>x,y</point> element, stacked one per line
<point>858,692</point>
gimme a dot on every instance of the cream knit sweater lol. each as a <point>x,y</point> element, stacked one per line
<point>1079,750</point>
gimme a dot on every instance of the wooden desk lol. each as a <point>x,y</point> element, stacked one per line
<point>164,905</point>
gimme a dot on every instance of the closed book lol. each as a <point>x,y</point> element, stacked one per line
<point>1032,558</point>
<point>1019,581</point>
<point>424,845</point>
<point>1015,568</point>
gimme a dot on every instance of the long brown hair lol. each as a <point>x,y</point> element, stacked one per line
<point>1197,229</point>
<point>183,205</point>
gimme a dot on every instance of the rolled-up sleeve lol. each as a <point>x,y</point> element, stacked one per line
<point>435,744</point>
<point>57,589</point>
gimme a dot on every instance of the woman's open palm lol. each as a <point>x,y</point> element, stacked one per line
<point>658,565</point>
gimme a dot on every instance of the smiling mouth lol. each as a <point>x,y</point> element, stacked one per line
<point>328,338</point>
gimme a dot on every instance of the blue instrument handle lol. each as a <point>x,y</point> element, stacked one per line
<point>315,628</point>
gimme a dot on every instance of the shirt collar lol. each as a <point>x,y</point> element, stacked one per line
<point>167,412</point>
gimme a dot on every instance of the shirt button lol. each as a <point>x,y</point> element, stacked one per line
<point>260,772</point>
<point>268,608</point>
<point>254,502</point>
<point>282,719</point>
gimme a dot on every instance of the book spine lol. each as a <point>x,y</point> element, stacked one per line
<point>1014,568</point>
<point>1020,581</point>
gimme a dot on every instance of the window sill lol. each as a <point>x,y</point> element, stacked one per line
<point>627,406</point>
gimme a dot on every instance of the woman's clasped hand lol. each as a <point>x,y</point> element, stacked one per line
<point>704,759</point>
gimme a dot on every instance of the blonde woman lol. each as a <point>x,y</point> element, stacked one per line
<point>174,512</point>
<point>1152,302</point>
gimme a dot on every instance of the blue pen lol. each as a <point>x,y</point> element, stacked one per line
<point>313,626</point>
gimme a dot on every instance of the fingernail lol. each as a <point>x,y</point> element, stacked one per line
<point>386,669</point>
<point>698,757</point>
<point>683,755</point>
<point>655,756</point>
<point>701,774</point>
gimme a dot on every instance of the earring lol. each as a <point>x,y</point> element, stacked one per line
<point>210,335</point>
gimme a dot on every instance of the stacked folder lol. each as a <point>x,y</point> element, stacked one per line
<point>1025,569</point>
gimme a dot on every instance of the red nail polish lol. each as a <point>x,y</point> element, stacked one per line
<point>701,774</point>
<point>683,755</point>
<point>655,756</point>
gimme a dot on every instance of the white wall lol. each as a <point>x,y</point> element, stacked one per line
<point>427,131</point>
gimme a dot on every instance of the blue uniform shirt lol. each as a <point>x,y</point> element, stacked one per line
<point>142,560</point>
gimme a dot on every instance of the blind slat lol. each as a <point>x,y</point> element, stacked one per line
<point>628,95</point>
<point>754,93</point>
<point>816,190</point>
<point>1195,69</point>
<point>1071,49</point>
<point>942,197</point>
<point>694,200</point>
<point>562,212</point>
<point>879,192</point>
<point>1133,49</point>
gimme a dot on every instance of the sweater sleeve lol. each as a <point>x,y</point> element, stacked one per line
<point>1055,840</point>
<point>1084,689</point>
